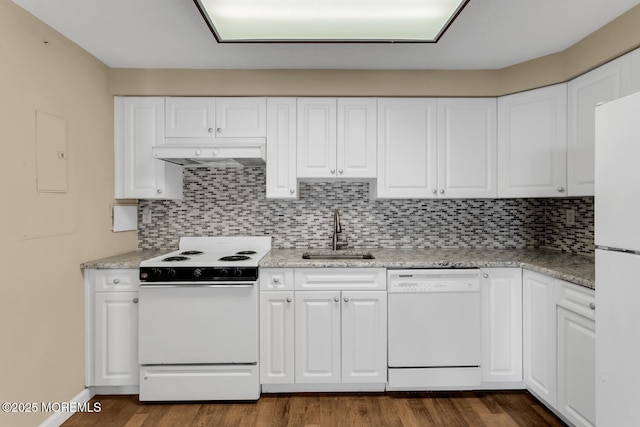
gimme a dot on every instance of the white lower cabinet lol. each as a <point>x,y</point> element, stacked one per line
<point>111,327</point>
<point>331,334</point>
<point>501,299</point>
<point>538,333</point>
<point>576,354</point>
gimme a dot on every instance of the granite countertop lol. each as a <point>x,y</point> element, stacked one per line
<point>578,269</point>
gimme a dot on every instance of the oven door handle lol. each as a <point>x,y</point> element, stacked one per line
<point>158,285</point>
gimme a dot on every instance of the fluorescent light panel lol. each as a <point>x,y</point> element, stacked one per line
<point>329,20</point>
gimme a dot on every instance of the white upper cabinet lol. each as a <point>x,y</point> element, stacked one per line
<point>467,143</point>
<point>336,138</point>
<point>532,143</point>
<point>357,136</point>
<point>207,117</point>
<point>605,83</point>
<point>281,149</point>
<point>407,158</point>
<point>138,126</point>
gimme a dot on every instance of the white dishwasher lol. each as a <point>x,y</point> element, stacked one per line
<point>434,337</point>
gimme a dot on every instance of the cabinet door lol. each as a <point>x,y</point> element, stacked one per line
<point>317,337</point>
<point>241,117</point>
<point>364,337</point>
<point>316,137</point>
<point>532,143</point>
<point>281,149</point>
<point>190,117</point>
<point>576,368</point>
<point>605,83</point>
<point>116,339</point>
<point>276,337</point>
<point>501,295</point>
<point>356,139</point>
<point>539,335</point>
<point>467,144</point>
<point>138,175</point>
<point>406,148</point>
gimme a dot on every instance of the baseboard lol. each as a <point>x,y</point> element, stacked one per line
<point>57,418</point>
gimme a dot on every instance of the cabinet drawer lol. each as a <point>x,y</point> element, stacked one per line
<point>346,279</point>
<point>576,298</point>
<point>116,280</point>
<point>276,279</point>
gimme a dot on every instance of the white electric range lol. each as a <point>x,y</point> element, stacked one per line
<point>198,320</point>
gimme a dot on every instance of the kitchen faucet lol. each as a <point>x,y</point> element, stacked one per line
<point>337,228</point>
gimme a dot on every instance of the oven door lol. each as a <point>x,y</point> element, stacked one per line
<point>203,323</point>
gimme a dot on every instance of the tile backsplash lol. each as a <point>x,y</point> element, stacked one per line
<point>231,201</point>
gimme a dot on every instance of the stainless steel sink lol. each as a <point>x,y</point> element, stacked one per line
<point>350,255</point>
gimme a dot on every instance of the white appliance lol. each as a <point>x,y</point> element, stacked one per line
<point>617,238</point>
<point>198,320</point>
<point>434,337</point>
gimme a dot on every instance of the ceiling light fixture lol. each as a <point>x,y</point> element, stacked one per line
<point>329,21</point>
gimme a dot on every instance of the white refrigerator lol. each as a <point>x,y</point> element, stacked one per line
<point>617,238</point>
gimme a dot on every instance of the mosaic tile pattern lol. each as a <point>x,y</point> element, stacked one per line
<point>573,238</point>
<point>231,201</point>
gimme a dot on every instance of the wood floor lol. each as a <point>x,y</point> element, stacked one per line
<point>491,409</point>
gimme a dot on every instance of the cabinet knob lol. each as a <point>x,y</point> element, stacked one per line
<point>135,300</point>
<point>292,191</point>
<point>485,275</point>
<point>159,191</point>
<point>276,280</point>
<point>560,189</point>
<point>341,171</point>
<point>336,299</point>
<point>346,299</point>
<point>210,130</point>
<point>434,191</point>
<point>592,306</point>
<point>198,152</point>
<point>442,191</point>
<point>288,299</point>
<point>333,171</point>
<point>116,281</point>
<point>219,130</point>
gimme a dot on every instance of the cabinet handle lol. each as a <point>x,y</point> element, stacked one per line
<point>116,281</point>
<point>336,299</point>
<point>592,306</point>
<point>333,171</point>
<point>485,275</point>
<point>346,299</point>
<point>560,189</point>
<point>135,300</point>
<point>210,130</point>
<point>288,299</point>
<point>159,191</point>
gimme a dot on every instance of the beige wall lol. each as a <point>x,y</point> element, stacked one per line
<point>618,37</point>
<point>45,237</point>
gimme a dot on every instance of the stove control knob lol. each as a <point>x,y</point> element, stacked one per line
<point>156,272</point>
<point>171,272</point>
<point>197,272</point>
<point>237,272</point>
<point>224,272</point>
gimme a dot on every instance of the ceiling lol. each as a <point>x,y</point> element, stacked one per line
<point>488,34</point>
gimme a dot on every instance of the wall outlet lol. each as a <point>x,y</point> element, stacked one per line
<point>146,215</point>
<point>571,217</point>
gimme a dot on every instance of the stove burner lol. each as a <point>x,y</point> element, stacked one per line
<point>176,258</point>
<point>246,253</point>
<point>235,258</point>
<point>191,253</point>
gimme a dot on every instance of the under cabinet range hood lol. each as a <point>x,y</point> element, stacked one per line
<point>193,152</point>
